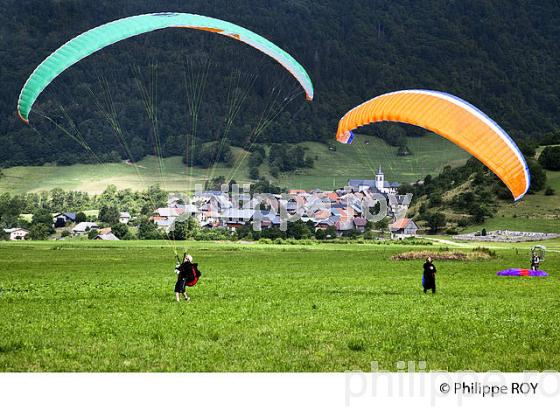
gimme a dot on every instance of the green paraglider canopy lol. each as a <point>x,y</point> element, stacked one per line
<point>97,38</point>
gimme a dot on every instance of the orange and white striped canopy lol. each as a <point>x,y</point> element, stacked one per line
<point>452,118</point>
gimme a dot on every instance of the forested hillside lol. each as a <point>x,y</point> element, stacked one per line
<point>503,56</point>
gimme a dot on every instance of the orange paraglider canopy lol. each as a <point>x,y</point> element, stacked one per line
<point>452,118</point>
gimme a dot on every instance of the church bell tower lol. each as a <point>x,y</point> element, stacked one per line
<point>379,180</point>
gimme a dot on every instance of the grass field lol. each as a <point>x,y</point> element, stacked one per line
<point>332,168</point>
<point>95,178</point>
<point>94,306</point>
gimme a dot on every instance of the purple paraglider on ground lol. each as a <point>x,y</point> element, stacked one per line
<point>521,272</point>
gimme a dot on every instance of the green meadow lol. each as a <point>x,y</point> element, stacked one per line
<point>359,160</point>
<point>98,306</point>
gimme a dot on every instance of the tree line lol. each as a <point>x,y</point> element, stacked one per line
<point>504,60</point>
<point>58,201</point>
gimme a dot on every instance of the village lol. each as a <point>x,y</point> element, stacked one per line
<point>337,213</point>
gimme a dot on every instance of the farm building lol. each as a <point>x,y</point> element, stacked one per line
<point>84,227</point>
<point>107,237</point>
<point>403,228</point>
<point>61,219</point>
<point>17,234</point>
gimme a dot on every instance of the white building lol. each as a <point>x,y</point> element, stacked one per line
<point>84,227</point>
<point>383,186</point>
<point>17,234</point>
<point>124,217</point>
<point>233,218</point>
<point>379,184</point>
<point>166,217</point>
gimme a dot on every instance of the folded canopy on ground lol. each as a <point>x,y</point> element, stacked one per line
<point>99,37</point>
<point>452,118</point>
<point>521,272</point>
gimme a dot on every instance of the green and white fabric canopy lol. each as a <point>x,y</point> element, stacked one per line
<point>97,38</point>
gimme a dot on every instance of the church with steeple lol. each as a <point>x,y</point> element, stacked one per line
<point>379,184</point>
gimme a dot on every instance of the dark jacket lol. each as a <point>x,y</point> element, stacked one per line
<point>429,269</point>
<point>184,270</point>
<point>429,278</point>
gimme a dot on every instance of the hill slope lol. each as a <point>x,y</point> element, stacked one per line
<point>359,160</point>
<point>535,213</point>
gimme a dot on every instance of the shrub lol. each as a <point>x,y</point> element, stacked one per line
<point>436,221</point>
<point>148,230</point>
<point>42,216</point>
<point>254,173</point>
<point>109,214</point>
<point>502,192</point>
<point>487,251</point>
<point>527,147</point>
<point>129,237</point>
<point>92,233</point>
<point>40,232</point>
<point>81,217</point>
<point>217,234</point>
<point>435,200</point>
<point>320,234</point>
<point>550,158</point>
<point>538,176</point>
<point>478,214</point>
<point>120,230</point>
<point>330,232</point>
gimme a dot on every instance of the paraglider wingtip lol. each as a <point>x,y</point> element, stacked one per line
<point>520,196</point>
<point>345,137</point>
<point>25,120</point>
<point>309,98</point>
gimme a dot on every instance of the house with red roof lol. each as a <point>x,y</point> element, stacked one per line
<point>403,228</point>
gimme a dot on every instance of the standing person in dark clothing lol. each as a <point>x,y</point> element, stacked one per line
<point>184,271</point>
<point>429,277</point>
